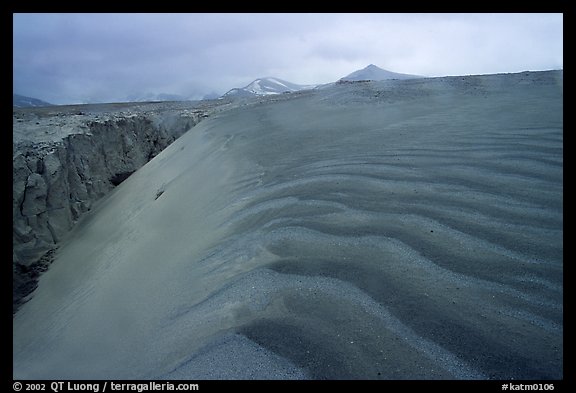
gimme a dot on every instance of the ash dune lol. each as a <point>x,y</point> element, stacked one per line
<point>371,230</point>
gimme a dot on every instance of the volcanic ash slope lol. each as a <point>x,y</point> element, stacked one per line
<point>394,230</point>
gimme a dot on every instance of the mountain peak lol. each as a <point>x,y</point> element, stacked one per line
<point>373,72</point>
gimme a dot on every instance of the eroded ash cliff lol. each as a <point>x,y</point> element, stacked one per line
<point>66,158</point>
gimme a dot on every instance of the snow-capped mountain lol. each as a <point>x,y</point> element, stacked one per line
<point>266,86</point>
<point>19,101</point>
<point>375,73</point>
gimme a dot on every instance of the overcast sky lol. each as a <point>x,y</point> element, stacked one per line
<point>79,58</point>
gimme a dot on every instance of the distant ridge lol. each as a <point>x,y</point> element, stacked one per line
<point>375,73</point>
<point>19,101</point>
<point>151,97</point>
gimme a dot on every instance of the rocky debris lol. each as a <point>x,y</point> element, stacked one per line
<point>65,160</point>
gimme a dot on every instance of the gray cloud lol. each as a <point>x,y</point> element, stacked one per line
<point>73,58</point>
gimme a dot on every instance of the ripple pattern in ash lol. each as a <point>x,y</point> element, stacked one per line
<point>452,222</point>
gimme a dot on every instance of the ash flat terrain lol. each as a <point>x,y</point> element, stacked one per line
<point>369,230</point>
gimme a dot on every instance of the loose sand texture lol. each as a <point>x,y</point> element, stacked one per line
<point>371,230</point>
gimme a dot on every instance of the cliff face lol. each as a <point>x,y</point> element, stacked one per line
<point>63,163</point>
